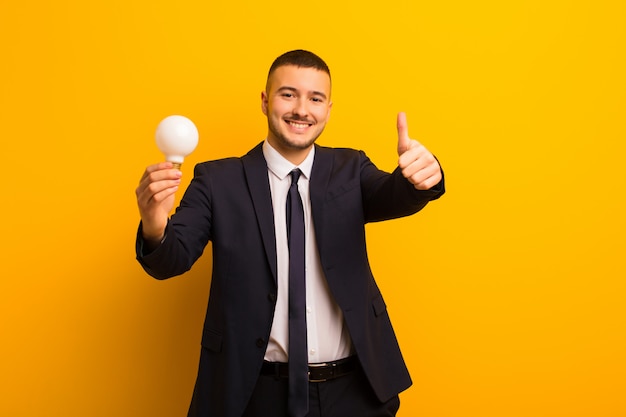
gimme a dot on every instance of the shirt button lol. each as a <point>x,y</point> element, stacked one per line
<point>312,351</point>
<point>308,310</point>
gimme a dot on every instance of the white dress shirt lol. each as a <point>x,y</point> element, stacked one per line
<point>327,335</point>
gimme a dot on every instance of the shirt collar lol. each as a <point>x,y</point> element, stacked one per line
<point>281,167</point>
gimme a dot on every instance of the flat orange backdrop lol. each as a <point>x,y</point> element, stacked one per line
<point>507,295</point>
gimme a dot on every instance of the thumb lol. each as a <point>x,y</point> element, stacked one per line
<point>403,134</point>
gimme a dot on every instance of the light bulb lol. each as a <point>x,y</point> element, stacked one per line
<point>176,137</point>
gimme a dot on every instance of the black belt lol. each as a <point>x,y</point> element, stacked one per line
<point>318,372</point>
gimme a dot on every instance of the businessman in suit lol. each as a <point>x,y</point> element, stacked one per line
<point>295,325</point>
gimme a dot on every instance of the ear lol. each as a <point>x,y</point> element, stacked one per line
<point>264,102</point>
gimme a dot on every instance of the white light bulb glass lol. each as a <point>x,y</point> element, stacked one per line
<point>176,137</point>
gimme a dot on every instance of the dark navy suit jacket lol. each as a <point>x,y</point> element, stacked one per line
<point>228,203</point>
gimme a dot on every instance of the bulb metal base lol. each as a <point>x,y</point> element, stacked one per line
<point>177,165</point>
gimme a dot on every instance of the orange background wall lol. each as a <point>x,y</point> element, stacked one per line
<point>507,294</point>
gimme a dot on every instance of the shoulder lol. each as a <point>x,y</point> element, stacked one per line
<point>348,152</point>
<point>218,167</point>
<point>340,155</point>
<point>255,155</point>
<point>223,163</point>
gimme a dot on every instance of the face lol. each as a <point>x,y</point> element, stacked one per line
<point>297,105</point>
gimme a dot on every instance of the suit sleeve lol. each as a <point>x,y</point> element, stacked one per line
<point>389,196</point>
<point>187,233</point>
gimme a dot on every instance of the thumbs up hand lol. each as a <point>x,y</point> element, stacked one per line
<point>418,165</point>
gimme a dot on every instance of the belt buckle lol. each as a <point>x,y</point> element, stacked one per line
<point>331,365</point>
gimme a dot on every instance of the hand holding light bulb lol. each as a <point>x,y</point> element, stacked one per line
<point>176,137</point>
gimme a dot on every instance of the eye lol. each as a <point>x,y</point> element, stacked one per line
<point>287,95</point>
<point>317,99</point>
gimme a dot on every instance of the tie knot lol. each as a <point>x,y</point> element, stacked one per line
<point>295,175</point>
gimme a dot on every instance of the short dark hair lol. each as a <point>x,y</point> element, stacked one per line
<point>299,58</point>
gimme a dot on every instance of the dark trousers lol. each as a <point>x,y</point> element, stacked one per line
<point>346,396</point>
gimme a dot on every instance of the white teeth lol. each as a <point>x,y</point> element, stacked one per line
<point>298,125</point>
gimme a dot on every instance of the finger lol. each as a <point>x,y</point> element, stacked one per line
<point>160,172</point>
<point>428,179</point>
<point>156,167</point>
<point>156,180</point>
<point>413,152</point>
<point>162,194</point>
<point>147,190</point>
<point>403,133</point>
<point>423,173</point>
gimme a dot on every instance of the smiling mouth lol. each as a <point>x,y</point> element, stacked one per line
<point>298,125</point>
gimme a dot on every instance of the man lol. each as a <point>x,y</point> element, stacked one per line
<point>286,223</point>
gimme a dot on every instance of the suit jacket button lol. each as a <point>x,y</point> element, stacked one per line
<point>260,342</point>
<point>271,297</point>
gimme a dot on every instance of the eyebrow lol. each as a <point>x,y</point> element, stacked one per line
<point>295,90</point>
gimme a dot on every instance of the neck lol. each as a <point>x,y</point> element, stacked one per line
<point>292,154</point>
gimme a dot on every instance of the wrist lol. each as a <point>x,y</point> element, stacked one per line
<point>151,235</point>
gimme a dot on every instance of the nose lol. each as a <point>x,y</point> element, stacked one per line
<point>300,107</point>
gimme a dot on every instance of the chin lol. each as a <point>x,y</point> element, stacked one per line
<point>298,143</point>
<point>302,144</point>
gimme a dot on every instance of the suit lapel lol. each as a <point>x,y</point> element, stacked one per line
<point>320,176</point>
<point>255,169</point>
